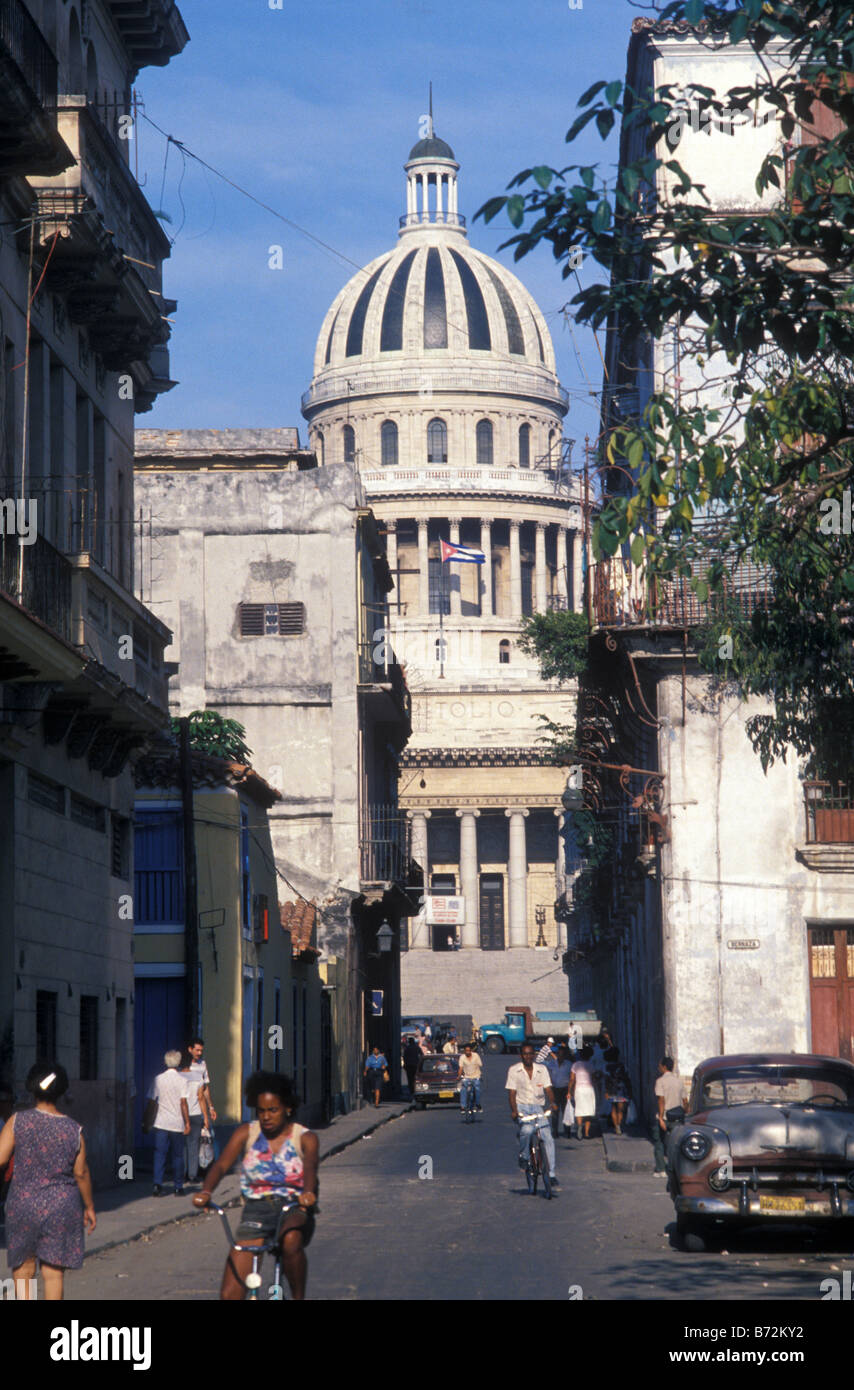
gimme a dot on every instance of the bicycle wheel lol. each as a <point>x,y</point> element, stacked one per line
<point>533,1169</point>
<point>544,1168</point>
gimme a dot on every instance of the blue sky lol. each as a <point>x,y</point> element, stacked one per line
<point>313,108</point>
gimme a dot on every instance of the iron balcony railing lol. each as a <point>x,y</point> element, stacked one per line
<point>385,844</point>
<point>829,813</point>
<point>25,44</point>
<point>621,596</point>
<point>378,667</point>
<point>433,219</point>
<point>46,581</point>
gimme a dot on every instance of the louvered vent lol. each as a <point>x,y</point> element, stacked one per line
<point>272,619</point>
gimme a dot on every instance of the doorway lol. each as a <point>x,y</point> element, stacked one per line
<point>832,990</point>
<point>492,912</point>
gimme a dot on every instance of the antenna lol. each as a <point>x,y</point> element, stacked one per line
<point>431,109</point>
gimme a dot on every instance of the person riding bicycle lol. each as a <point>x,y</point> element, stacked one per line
<point>529,1085</point>
<point>469,1075</point>
<point>279,1165</point>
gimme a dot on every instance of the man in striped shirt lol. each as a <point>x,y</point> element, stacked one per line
<point>545,1053</point>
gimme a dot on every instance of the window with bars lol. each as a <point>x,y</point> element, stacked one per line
<point>272,619</point>
<point>88,1037</point>
<point>87,813</point>
<point>45,1025</point>
<point>388,443</point>
<point>119,846</point>
<point>484,444</point>
<point>46,793</point>
<point>440,598</point>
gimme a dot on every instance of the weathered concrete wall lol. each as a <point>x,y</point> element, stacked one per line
<point>470,982</point>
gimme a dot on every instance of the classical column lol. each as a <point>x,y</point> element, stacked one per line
<point>577,544</point>
<point>517,878</point>
<point>468,875</point>
<point>440,201</point>
<point>423,570</point>
<point>561,576</point>
<point>486,567</point>
<point>540,568</point>
<point>453,578</point>
<point>560,861</point>
<point>425,200</point>
<point>419,932</point>
<point>515,572</point>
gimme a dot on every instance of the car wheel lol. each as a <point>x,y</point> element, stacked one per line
<point>495,1044</point>
<point>694,1236</point>
<point>420,1105</point>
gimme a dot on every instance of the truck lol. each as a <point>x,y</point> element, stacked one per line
<point>520,1026</point>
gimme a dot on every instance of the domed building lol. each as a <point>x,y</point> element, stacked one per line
<point>435,374</point>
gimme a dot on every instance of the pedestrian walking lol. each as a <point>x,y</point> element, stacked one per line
<point>376,1067</point>
<point>582,1092</point>
<point>50,1195</point>
<point>574,1038</point>
<point>560,1070</point>
<point>469,1075</point>
<point>198,1065</point>
<point>545,1053</point>
<point>411,1057</point>
<point>197,1106</point>
<point>671,1110</point>
<point>618,1088</point>
<point>168,1114</point>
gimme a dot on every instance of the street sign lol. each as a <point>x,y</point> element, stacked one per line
<point>443,911</point>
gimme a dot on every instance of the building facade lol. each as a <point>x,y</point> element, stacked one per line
<point>435,375</point>
<point>272,576</point>
<point>83,333</point>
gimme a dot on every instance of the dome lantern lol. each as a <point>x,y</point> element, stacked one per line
<point>431,184</point>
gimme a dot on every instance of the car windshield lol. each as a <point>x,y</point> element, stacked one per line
<point>829,1087</point>
<point>433,1066</point>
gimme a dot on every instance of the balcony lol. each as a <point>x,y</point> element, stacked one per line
<point>46,575</point>
<point>29,140</point>
<point>348,383</point>
<point>384,845</point>
<point>433,219</point>
<point>538,483</point>
<point>829,813</point>
<point>152,30</point>
<point>623,597</point>
<point>382,684</point>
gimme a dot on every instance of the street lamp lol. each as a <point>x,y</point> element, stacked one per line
<point>385,936</point>
<point>540,918</point>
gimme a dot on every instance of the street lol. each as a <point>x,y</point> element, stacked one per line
<point>472,1232</point>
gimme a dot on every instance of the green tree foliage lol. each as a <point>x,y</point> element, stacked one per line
<point>559,642</point>
<point>211,733</point>
<point>766,302</point>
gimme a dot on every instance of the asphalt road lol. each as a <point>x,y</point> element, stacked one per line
<point>471,1231</point>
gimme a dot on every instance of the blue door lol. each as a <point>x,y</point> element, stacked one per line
<point>158,1028</point>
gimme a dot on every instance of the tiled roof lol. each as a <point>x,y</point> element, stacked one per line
<point>300,919</point>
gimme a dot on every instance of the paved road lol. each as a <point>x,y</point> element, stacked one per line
<point>472,1232</point>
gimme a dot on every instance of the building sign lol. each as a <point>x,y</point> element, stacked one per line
<point>749,943</point>
<point>443,911</point>
<point>376,1003</point>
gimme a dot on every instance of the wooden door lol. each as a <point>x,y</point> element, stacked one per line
<point>492,912</point>
<point>832,990</point>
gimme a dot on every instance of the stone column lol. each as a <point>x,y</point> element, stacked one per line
<point>561,576</point>
<point>515,572</point>
<point>486,567</point>
<point>425,199</point>
<point>517,878</point>
<point>423,570</point>
<point>540,585</point>
<point>577,543</point>
<point>468,876</point>
<point>419,932</point>
<point>453,579</point>
<point>440,197</point>
<point>560,860</point>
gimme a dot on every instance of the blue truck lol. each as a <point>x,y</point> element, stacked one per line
<point>520,1026</point>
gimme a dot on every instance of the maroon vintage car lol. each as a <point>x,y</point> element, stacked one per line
<point>768,1137</point>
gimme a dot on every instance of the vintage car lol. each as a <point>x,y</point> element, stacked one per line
<point>436,1079</point>
<point>767,1138</point>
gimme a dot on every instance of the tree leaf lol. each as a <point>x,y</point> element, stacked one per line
<point>638,550</point>
<point>602,216</point>
<point>516,209</point>
<point>590,93</point>
<point>605,122</point>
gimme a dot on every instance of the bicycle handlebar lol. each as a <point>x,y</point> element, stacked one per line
<point>272,1241</point>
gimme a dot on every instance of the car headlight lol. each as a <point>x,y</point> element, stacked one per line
<point>850,1182</point>
<point>719,1180</point>
<point>695,1145</point>
<point>421,1086</point>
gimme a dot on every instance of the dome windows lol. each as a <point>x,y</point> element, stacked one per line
<point>356,330</point>
<point>348,437</point>
<point>476,316</point>
<point>391,333</point>
<point>524,446</point>
<point>388,444</point>
<point>435,309</point>
<point>483,436</point>
<point>437,442</point>
<point>515,339</point>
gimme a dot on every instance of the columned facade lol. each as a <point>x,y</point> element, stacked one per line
<point>437,362</point>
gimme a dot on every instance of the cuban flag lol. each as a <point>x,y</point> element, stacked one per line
<point>466,554</point>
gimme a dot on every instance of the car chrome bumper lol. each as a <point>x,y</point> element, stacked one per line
<point>735,1209</point>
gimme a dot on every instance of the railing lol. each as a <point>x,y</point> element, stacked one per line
<point>46,581</point>
<point>385,672</point>
<point>622,597</point>
<point>829,813</point>
<point>384,844</point>
<point>444,478</point>
<point>25,43</point>
<point>429,378</point>
<point>433,219</point>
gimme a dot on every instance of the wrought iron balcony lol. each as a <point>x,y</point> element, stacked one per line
<point>385,845</point>
<point>623,597</point>
<point>29,139</point>
<point>39,578</point>
<point>829,813</point>
<point>385,673</point>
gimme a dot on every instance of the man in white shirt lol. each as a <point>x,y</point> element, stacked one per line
<point>560,1070</point>
<point>168,1114</point>
<point>196,1049</point>
<point>530,1086</point>
<point>471,1070</point>
<point>574,1037</point>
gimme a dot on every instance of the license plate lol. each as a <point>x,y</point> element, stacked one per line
<point>782,1203</point>
<point>446,1095</point>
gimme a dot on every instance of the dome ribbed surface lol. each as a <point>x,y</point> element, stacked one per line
<point>431,148</point>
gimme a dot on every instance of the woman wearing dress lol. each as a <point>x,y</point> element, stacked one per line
<point>617,1088</point>
<point>50,1196</point>
<point>279,1163</point>
<point>582,1092</point>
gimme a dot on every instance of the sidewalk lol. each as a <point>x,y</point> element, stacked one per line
<point>129,1212</point>
<point>628,1153</point>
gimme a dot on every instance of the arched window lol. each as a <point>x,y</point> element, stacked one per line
<point>504,652</point>
<point>553,454</point>
<point>388,444</point>
<point>349,436</point>
<point>437,442</point>
<point>76,72</point>
<point>524,446</point>
<point>484,444</point>
<point>91,75</point>
<point>321,448</point>
<point>441,649</point>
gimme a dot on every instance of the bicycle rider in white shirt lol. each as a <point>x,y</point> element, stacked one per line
<point>530,1086</point>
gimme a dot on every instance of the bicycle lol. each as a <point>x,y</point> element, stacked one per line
<point>253,1281</point>
<point>538,1164</point>
<point>469,1100</point>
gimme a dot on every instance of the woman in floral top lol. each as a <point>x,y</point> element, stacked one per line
<point>279,1163</point>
